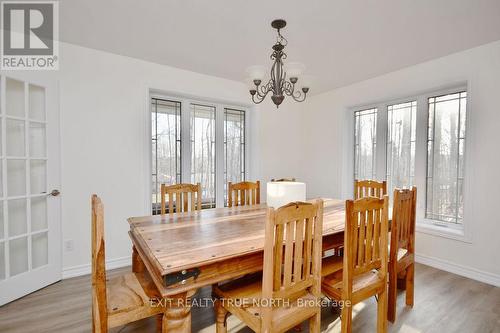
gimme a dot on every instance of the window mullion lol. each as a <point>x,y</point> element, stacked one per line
<point>381,148</point>
<point>421,153</point>
<point>185,141</point>
<point>219,156</point>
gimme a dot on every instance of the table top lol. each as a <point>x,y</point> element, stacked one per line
<point>185,240</point>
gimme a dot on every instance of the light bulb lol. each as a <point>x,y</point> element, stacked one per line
<point>256,72</point>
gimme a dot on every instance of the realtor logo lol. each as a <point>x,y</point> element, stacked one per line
<point>29,36</point>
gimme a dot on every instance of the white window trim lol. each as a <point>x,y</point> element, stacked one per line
<point>186,101</point>
<point>424,225</point>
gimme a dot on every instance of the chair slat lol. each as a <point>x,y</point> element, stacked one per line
<point>361,240</point>
<point>278,255</point>
<point>287,270</point>
<point>297,261</point>
<point>376,235</point>
<point>186,205</point>
<point>308,247</point>
<point>369,236</point>
<point>170,202</point>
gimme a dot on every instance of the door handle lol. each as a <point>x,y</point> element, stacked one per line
<point>54,193</point>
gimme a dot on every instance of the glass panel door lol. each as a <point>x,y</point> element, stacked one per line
<point>29,216</point>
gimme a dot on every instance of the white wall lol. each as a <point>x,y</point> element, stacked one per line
<point>329,142</point>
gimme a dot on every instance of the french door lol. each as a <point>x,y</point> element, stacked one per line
<point>30,219</point>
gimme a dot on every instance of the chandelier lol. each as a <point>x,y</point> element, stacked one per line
<point>278,85</point>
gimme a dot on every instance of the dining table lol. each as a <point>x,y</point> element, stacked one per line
<point>183,252</point>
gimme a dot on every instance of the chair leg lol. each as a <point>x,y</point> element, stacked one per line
<point>410,284</point>
<point>393,290</point>
<point>346,318</point>
<point>382,312</point>
<point>159,321</point>
<point>137,264</point>
<point>220,315</point>
<point>315,323</point>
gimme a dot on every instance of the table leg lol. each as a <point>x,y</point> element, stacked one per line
<point>177,315</point>
<point>137,264</point>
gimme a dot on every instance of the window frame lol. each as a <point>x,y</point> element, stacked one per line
<point>245,147</point>
<point>375,157</point>
<point>461,232</point>
<point>186,102</point>
<point>179,152</point>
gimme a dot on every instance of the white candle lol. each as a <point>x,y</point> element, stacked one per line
<point>282,193</point>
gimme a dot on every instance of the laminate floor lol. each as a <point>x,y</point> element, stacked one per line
<point>444,302</point>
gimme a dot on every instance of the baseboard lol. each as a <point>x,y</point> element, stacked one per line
<point>468,272</point>
<point>87,269</point>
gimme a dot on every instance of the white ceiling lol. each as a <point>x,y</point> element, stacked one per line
<point>339,41</point>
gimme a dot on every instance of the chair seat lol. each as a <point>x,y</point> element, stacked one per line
<point>127,300</point>
<point>364,285</point>
<point>242,298</point>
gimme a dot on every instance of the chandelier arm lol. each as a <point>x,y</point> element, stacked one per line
<point>264,89</point>
<point>289,88</point>
<point>257,100</point>
<point>261,91</point>
<point>299,96</point>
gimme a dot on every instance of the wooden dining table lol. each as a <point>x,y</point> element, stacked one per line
<point>183,252</point>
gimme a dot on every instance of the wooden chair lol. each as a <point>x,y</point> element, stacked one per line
<point>244,193</point>
<point>364,272</point>
<point>178,198</point>
<point>291,275</point>
<point>402,250</point>
<point>369,188</point>
<point>119,300</point>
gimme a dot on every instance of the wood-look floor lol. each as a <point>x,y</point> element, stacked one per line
<point>444,302</point>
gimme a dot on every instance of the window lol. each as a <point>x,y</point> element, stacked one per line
<point>365,128</point>
<point>418,141</point>
<point>234,147</point>
<point>195,141</point>
<point>445,157</point>
<point>166,146</point>
<point>203,151</point>
<point>401,137</point>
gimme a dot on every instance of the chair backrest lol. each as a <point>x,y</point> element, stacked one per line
<point>99,300</point>
<point>244,193</point>
<point>369,188</point>
<point>365,238</point>
<point>403,221</point>
<point>178,198</point>
<point>292,250</point>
